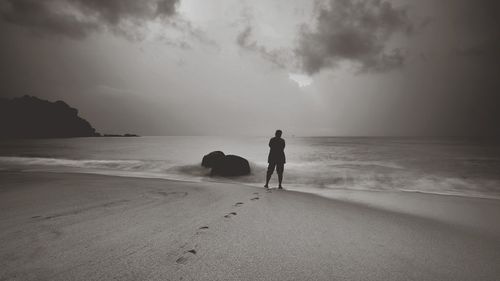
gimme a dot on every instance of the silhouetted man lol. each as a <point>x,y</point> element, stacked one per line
<point>276,158</point>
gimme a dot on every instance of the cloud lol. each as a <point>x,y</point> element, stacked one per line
<point>354,31</point>
<point>279,57</point>
<point>479,24</point>
<point>78,18</point>
<point>301,79</point>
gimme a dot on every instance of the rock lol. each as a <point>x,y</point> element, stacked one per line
<point>210,159</point>
<point>119,136</point>
<point>231,166</point>
<point>31,117</point>
<point>226,165</point>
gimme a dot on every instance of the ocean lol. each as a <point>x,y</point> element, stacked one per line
<point>314,164</point>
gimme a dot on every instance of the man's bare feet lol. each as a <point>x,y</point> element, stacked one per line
<point>266,186</point>
<point>280,187</point>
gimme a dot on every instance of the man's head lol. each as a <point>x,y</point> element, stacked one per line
<point>278,133</point>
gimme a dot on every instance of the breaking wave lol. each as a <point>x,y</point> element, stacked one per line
<point>340,175</point>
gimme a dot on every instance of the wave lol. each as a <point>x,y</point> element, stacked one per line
<point>132,168</point>
<point>120,164</point>
<point>341,175</point>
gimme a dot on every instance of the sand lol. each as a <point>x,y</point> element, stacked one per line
<point>91,227</point>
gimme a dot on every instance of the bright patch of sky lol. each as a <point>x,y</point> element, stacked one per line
<point>301,79</point>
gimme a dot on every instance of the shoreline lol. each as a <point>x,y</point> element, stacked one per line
<point>61,226</point>
<point>454,209</point>
<point>192,172</point>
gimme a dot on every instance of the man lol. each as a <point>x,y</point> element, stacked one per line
<point>276,158</point>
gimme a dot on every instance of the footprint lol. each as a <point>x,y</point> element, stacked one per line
<point>201,230</point>
<point>269,191</point>
<point>230,215</point>
<point>255,198</point>
<point>237,204</point>
<point>256,193</point>
<point>36,217</point>
<point>184,259</point>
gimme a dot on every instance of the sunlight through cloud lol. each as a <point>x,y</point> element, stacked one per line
<point>301,79</point>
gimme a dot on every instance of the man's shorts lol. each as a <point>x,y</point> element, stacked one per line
<point>279,167</point>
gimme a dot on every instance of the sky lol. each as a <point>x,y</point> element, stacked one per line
<point>248,67</point>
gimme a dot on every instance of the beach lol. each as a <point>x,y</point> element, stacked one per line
<point>139,139</point>
<point>64,226</point>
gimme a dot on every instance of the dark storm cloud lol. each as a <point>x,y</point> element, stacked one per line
<point>40,17</point>
<point>480,21</point>
<point>355,31</point>
<point>78,18</point>
<point>479,47</point>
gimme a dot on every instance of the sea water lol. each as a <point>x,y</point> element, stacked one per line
<point>314,164</point>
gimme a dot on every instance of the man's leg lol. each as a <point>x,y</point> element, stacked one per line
<point>280,167</point>
<point>270,170</point>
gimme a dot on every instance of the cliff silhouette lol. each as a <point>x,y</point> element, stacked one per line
<point>31,117</point>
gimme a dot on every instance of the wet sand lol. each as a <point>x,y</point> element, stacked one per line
<point>91,227</point>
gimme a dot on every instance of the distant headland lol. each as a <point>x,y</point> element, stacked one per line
<point>31,117</point>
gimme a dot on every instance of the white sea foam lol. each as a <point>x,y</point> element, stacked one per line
<point>300,176</point>
<point>458,168</point>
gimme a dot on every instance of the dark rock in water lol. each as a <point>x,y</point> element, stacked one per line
<point>231,166</point>
<point>225,165</point>
<point>31,117</point>
<point>210,159</point>
<point>119,136</point>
